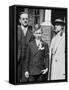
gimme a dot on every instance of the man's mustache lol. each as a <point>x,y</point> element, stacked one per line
<point>26,22</point>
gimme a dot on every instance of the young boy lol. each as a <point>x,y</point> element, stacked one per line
<point>37,57</point>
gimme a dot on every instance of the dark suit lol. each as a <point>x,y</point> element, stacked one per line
<point>36,60</point>
<point>22,46</point>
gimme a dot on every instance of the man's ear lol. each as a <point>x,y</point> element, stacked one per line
<point>20,20</point>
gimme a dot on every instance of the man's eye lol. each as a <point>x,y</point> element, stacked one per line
<point>25,18</point>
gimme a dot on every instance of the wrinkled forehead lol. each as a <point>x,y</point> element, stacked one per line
<point>24,15</point>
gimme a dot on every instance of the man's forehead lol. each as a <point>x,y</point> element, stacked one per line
<point>24,15</point>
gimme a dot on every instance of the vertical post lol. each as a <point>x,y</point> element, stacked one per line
<point>47,15</point>
<point>41,15</point>
<point>46,27</point>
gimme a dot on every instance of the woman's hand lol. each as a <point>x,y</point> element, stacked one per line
<point>44,71</point>
<point>27,74</point>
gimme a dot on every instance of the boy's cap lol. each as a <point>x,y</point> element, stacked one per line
<point>37,27</point>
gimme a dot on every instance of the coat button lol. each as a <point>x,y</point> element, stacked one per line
<point>63,74</point>
<point>56,60</point>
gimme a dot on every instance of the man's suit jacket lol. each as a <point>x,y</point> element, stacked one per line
<point>22,46</point>
<point>36,60</point>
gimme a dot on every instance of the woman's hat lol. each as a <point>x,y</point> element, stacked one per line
<point>59,21</point>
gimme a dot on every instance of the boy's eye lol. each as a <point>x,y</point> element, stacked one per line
<point>38,33</point>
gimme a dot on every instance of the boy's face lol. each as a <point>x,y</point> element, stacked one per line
<point>24,19</point>
<point>38,34</point>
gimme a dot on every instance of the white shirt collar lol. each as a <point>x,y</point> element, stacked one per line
<point>37,42</point>
<point>24,29</point>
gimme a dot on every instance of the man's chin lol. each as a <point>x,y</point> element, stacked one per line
<point>25,26</point>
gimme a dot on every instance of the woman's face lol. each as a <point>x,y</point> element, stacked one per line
<point>58,28</point>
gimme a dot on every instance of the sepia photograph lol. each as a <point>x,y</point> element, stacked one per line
<point>38,44</point>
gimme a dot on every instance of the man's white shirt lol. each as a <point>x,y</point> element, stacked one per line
<point>24,30</point>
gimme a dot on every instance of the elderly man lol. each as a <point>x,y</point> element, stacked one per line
<point>24,37</point>
<point>57,52</point>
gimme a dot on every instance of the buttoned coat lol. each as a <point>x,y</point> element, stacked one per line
<point>57,58</point>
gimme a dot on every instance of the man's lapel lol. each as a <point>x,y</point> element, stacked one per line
<point>22,32</point>
<point>28,35</point>
<point>34,47</point>
<point>57,44</point>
